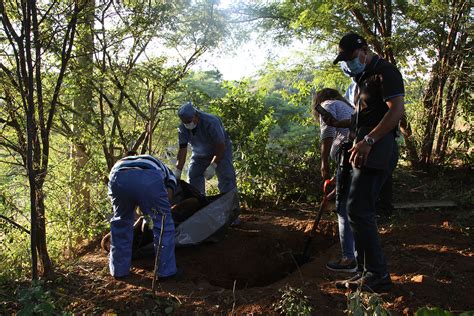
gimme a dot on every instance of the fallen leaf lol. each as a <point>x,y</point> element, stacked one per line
<point>418,278</point>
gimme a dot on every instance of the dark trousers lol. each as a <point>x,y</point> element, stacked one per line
<point>363,192</point>
<point>384,204</point>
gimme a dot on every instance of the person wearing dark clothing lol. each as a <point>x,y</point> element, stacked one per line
<point>379,100</point>
<point>383,206</point>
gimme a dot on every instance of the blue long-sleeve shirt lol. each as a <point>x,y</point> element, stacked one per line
<point>203,139</point>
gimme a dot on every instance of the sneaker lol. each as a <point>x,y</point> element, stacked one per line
<point>344,284</point>
<point>371,282</point>
<point>342,265</point>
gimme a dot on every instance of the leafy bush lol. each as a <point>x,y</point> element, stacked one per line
<point>365,304</point>
<point>272,158</point>
<point>292,302</point>
<point>35,300</point>
<point>436,311</point>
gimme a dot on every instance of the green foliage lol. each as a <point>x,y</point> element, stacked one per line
<point>272,152</point>
<point>437,311</point>
<point>14,253</point>
<point>14,243</point>
<point>241,111</point>
<point>202,87</point>
<point>292,302</point>
<point>168,305</point>
<point>420,36</point>
<point>248,123</point>
<point>432,311</point>
<point>365,304</point>
<point>35,300</point>
<point>110,98</point>
<point>255,163</point>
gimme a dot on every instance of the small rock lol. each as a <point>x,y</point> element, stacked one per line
<point>446,224</point>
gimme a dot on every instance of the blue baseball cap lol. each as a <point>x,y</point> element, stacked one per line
<point>186,112</point>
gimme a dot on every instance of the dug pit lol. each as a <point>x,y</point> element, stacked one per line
<point>256,253</point>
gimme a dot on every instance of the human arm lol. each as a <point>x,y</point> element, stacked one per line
<point>218,136</point>
<point>326,144</point>
<point>328,133</point>
<point>181,157</point>
<point>183,140</point>
<point>331,121</point>
<point>219,153</point>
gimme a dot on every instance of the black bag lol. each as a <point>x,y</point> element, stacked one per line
<point>344,166</point>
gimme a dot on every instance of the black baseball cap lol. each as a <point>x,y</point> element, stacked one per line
<point>347,45</point>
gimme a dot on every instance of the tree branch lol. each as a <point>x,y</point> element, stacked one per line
<point>23,229</point>
<point>66,53</point>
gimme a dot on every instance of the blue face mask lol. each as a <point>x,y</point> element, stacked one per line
<point>353,67</point>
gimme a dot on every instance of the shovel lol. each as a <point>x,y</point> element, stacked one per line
<point>303,257</point>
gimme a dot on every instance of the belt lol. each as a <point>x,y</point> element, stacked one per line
<point>130,168</point>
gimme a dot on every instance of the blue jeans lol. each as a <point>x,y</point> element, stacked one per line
<point>346,238</point>
<point>365,185</point>
<point>225,172</point>
<point>143,188</point>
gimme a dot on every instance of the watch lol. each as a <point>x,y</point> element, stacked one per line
<point>369,140</point>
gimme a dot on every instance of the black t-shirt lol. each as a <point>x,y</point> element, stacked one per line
<point>379,82</point>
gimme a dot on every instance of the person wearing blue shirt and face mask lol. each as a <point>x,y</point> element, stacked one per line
<point>211,149</point>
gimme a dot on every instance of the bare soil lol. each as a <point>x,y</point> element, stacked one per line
<point>430,257</point>
<point>429,252</point>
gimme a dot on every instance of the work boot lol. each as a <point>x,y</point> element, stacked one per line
<point>343,284</point>
<point>371,282</point>
<point>342,265</point>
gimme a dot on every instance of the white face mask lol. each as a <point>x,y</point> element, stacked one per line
<point>190,125</point>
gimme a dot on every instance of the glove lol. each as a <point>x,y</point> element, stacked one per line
<point>177,173</point>
<point>210,171</point>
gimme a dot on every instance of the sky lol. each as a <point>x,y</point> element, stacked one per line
<point>247,59</point>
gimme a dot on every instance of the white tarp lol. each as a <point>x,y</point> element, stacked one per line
<point>208,220</point>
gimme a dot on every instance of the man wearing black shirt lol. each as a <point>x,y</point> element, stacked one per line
<point>379,101</point>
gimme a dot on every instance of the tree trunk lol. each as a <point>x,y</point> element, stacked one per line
<point>25,43</point>
<point>450,44</point>
<point>82,105</point>
<point>456,87</point>
<point>33,223</point>
<point>431,103</point>
<point>45,265</point>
